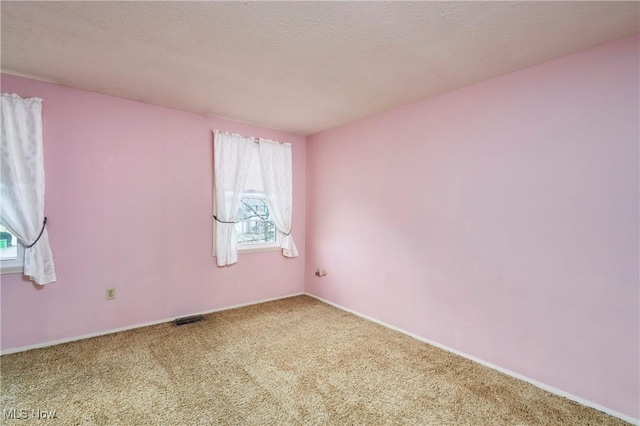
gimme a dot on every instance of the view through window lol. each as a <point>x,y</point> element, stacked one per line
<point>254,221</point>
<point>8,244</point>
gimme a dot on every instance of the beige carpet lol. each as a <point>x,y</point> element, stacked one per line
<point>293,361</point>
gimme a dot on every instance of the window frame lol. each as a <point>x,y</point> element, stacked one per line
<point>13,266</point>
<point>260,247</point>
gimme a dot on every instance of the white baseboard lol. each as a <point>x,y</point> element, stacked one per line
<point>408,333</point>
<point>130,327</point>
<point>540,385</point>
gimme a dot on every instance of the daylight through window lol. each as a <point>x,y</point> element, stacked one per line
<point>8,244</point>
<point>254,220</point>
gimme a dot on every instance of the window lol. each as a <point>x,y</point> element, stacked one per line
<point>11,252</point>
<point>254,221</point>
<point>23,190</point>
<point>255,228</point>
<point>253,206</point>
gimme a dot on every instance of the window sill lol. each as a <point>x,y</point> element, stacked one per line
<point>6,270</point>
<point>258,249</point>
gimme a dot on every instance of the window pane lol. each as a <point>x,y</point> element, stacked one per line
<point>254,221</point>
<point>8,244</point>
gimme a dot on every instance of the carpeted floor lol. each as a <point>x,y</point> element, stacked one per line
<point>292,361</point>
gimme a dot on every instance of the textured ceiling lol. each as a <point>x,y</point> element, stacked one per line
<point>301,67</point>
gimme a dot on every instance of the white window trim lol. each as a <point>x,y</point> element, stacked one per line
<point>13,266</point>
<point>251,248</point>
<point>261,247</point>
<point>258,248</point>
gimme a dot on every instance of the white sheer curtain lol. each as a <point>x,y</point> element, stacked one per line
<point>232,158</point>
<point>278,185</point>
<point>22,184</point>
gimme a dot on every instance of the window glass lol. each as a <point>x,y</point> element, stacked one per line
<point>8,244</point>
<point>254,224</point>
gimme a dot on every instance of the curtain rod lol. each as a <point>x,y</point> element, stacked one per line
<point>255,139</point>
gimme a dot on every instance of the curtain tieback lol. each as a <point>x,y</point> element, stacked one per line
<point>44,222</point>
<point>222,221</point>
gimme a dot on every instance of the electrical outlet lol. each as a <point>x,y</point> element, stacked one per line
<point>111,293</point>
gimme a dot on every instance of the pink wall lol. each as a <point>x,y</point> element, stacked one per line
<point>500,220</point>
<point>128,197</point>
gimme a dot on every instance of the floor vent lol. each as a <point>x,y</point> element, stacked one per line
<point>187,320</point>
